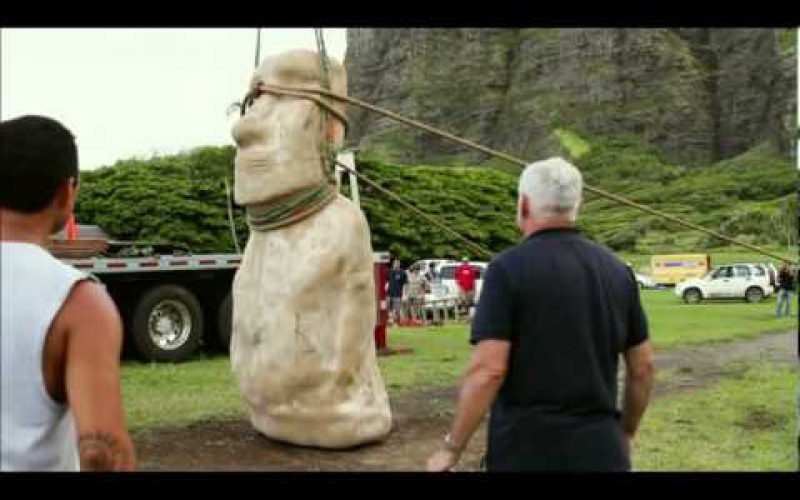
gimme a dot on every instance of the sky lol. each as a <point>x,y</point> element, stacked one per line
<point>127,92</point>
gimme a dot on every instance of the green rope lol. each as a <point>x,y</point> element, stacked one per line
<point>291,208</point>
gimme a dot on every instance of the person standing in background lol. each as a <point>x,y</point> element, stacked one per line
<point>417,286</point>
<point>397,281</point>
<point>786,285</point>
<point>465,278</point>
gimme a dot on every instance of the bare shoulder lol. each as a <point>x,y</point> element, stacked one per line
<point>89,308</point>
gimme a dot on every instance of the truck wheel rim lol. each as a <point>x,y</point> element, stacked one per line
<point>170,324</point>
<point>692,296</point>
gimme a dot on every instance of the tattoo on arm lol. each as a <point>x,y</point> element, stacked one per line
<point>100,451</point>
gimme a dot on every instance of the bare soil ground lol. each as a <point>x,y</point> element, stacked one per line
<point>704,365</point>
<point>421,418</point>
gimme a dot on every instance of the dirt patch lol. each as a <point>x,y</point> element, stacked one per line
<point>420,420</point>
<point>760,419</point>
<point>704,365</point>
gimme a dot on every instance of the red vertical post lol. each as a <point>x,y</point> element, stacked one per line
<point>381,273</point>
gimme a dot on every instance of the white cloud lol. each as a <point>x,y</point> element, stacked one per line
<point>135,92</point>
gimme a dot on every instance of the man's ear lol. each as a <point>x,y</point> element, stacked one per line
<point>524,207</point>
<point>66,194</point>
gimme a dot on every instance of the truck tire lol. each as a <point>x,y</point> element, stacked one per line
<point>753,294</point>
<point>692,295</point>
<point>225,322</point>
<point>167,324</point>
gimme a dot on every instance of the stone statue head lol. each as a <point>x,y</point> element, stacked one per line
<point>281,138</point>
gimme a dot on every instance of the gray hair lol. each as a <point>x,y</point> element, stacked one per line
<point>553,188</point>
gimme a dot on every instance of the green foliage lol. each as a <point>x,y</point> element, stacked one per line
<point>181,198</point>
<point>750,197</point>
<point>573,143</point>
<point>178,198</point>
<point>787,37</point>
<point>479,203</point>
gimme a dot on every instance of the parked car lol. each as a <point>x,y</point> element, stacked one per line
<point>748,281</point>
<point>441,298</point>
<point>773,275</point>
<point>642,280</point>
<point>425,264</point>
<point>444,292</point>
<point>645,281</point>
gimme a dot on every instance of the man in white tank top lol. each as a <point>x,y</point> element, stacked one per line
<point>60,333</point>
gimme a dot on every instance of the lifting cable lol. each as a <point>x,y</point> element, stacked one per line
<point>313,92</point>
<point>258,48</point>
<point>474,246</point>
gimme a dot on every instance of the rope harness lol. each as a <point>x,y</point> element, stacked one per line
<point>291,208</point>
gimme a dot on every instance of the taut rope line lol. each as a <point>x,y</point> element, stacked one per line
<point>311,93</point>
<point>474,246</point>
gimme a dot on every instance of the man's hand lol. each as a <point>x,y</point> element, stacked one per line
<point>442,461</point>
<point>628,443</point>
<point>485,376</point>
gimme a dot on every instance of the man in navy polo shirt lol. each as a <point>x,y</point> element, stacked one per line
<point>556,312</point>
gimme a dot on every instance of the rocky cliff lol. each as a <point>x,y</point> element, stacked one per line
<point>698,95</point>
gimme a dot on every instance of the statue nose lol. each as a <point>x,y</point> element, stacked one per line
<point>250,130</point>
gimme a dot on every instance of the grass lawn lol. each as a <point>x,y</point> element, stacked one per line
<point>674,323</point>
<point>744,423</point>
<point>160,394</point>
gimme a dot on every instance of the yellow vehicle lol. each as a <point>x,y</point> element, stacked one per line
<point>672,269</point>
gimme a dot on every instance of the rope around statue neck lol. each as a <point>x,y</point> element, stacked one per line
<point>291,208</point>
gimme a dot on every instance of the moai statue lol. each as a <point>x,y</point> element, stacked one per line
<point>304,307</point>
